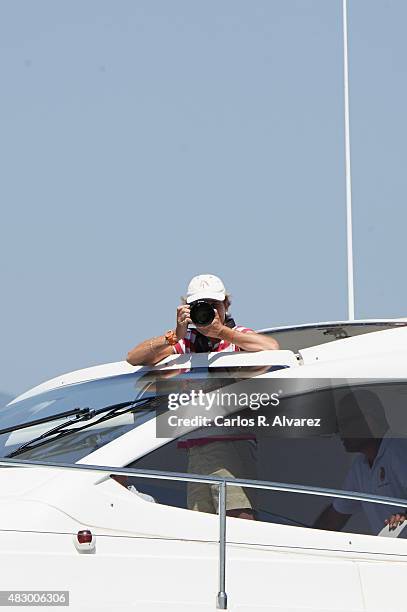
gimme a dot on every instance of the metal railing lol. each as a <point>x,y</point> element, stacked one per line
<point>222,483</point>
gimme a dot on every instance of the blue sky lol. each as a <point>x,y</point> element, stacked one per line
<point>143,142</point>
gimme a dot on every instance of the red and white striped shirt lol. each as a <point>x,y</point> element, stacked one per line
<point>188,344</point>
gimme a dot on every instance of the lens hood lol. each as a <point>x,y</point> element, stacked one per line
<point>202,312</point>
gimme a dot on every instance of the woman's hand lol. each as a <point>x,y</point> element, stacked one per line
<point>183,320</point>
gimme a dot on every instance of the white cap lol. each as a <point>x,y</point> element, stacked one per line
<point>206,286</point>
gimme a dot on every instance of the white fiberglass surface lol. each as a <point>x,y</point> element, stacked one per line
<point>279,454</point>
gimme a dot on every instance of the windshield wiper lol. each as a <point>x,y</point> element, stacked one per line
<point>54,417</point>
<point>59,431</point>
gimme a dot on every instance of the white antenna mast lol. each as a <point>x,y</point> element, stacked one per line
<point>351,297</point>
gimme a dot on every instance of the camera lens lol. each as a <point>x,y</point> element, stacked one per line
<point>202,313</point>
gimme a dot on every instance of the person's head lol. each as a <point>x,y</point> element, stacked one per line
<point>361,420</point>
<point>209,288</point>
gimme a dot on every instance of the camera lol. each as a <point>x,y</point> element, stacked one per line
<point>202,312</point>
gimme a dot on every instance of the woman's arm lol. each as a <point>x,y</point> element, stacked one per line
<point>149,352</point>
<point>249,341</point>
<point>153,350</point>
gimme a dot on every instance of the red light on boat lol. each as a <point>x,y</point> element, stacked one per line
<point>84,537</point>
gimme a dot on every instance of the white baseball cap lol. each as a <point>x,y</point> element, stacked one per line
<point>206,286</point>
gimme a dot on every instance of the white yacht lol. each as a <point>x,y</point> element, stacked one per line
<point>130,542</point>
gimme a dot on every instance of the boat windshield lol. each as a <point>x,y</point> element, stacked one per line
<point>305,336</point>
<point>93,395</point>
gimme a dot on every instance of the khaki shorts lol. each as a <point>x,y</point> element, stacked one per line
<point>234,459</point>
